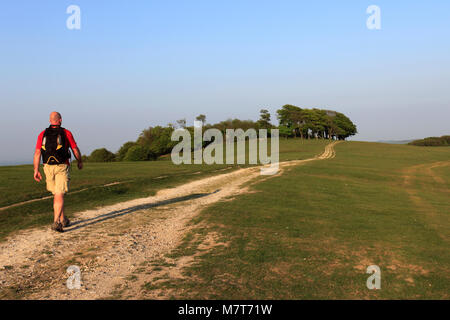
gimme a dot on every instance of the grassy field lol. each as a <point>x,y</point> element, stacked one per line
<point>312,232</point>
<point>309,233</point>
<point>138,179</point>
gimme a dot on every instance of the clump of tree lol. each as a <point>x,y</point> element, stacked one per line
<point>101,155</point>
<point>202,119</point>
<point>432,142</point>
<point>314,123</point>
<point>120,155</point>
<point>233,124</point>
<point>158,140</point>
<point>139,153</point>
<point>264,120</point>
<point>293,122</point>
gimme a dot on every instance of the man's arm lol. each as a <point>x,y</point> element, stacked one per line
<point>77,154</point>
<point>75,149</point>
<point>36,162</point>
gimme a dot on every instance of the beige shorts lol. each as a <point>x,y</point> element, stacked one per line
<point>57,177</point>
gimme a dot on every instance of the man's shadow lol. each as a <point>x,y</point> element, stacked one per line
<point>118,213</point>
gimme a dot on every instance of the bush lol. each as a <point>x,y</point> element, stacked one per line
<point>285,131</point>
<point>101,155</point>
<point>157,139</point>
<point>432,142</point>
<point>124,149</point>
<point>139,153</point>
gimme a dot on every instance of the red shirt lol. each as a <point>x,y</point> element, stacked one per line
<point>69,138</point>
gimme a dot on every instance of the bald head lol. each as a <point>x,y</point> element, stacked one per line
<point>55,118</point>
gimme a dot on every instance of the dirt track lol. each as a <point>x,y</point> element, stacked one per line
<point>110,243</point>
<point>421,204</point>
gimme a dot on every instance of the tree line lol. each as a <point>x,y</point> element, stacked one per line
<point>432,142</point>
<point>314,123</point>
<point>294,122</point>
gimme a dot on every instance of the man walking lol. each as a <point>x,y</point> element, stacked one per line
<point>53,144</point>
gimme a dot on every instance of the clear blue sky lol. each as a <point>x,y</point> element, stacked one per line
<point>136,64</point>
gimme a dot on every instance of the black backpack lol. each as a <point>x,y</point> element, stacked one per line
<point>55,149</point>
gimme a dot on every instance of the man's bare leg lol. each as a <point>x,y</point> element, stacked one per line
<point>58,208</point>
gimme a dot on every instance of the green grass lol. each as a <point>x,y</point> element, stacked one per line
<point>140,179</point>
<point>312,232</point>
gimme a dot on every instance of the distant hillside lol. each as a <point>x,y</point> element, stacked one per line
<point>396,141</point>
<point>432,142</point>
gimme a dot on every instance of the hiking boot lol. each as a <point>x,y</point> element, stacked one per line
<point>66,222</point>
<point>57,226</point>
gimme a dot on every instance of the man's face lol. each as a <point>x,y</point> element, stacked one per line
<point>55,119</point>
<point>56,122</point>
